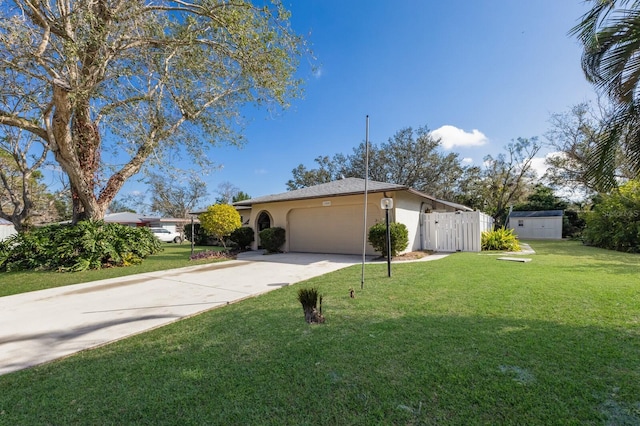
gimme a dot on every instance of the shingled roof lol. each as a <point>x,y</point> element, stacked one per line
<point>347,186</point>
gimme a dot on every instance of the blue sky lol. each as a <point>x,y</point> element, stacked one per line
<point>480,73</point>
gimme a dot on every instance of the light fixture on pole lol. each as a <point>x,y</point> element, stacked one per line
<point>387,204</point>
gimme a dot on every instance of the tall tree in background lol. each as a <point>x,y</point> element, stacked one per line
<point>505,180</point>
<point>574,137</point>
<point>410,158</point>
<point>138,79</point>
<point>228,193</point>
<point>171,199</point>
<point>329,169</point>
<point>21,193</point>
<point>610,34</point>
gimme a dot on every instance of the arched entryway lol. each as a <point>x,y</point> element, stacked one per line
<point>263,222</point>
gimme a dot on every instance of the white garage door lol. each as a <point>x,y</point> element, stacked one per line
<point>331,229</point>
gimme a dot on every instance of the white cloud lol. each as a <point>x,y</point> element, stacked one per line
<point>467,160</point>
<point>538,164</point>
<point>451,136</point>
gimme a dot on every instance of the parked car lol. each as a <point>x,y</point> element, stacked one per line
<point>167,236</point>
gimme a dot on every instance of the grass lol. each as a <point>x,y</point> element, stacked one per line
<point>462,340</point>
<point>173,256</point>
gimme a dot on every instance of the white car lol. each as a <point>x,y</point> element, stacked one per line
<point>167,236</point>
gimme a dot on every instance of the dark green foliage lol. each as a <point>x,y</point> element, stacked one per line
<point>399,237</point>
<point>200,237</point>
<point>271,239</point>
<point>242,237</point>
<point>500,239</point>
<point>87,245</point>
<point>614,223</point>
<point>308,297</point>
<point>572,224</point>
<point>541,199</point>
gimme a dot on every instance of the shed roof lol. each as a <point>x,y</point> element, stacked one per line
<point>537,213</point>
<point>342,187</point>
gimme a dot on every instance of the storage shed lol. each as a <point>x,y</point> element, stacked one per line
<point>541,224</point>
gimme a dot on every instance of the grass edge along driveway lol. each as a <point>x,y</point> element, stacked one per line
<point>463,340</point>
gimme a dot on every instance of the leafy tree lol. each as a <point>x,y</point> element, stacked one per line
<point>171,199</point>
<point>21,194</point>
<point>118,206</point>
<point>504,180</point>
<point>410,158</point>
<point>220,220</point>
<point>328,170</point>
<point>138,79</point>
<point>542,198</point>
<point>614,222</point>
<point>609,34</point>
<point>229,193</point>
<point>575,135</point>
<point>240,196</point>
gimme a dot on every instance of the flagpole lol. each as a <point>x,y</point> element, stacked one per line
<point>366,180</point>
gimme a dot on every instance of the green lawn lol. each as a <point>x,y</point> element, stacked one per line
<point>463,340</point>
<point>173,256</point>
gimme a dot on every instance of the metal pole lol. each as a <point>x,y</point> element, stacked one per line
<point>192,235</point>
<point>388,244</point>
<point>366,179</point>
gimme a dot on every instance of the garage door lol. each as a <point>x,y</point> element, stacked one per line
<point>332,229</point>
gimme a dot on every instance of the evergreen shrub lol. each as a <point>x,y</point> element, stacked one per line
<point>399,237</point>
<point>271,239</point>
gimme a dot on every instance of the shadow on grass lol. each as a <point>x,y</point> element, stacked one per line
<point>264,365</point>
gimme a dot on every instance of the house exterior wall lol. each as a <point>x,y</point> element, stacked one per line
<point>334,224</point>
<point>344,214</point>
<point>537,227</point>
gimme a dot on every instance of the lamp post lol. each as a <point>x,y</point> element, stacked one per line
<point>387,204</point>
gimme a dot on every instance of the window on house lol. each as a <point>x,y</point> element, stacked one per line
<point>521,222</point>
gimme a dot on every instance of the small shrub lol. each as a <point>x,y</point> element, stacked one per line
<point>220,220</point>
<point>399,237</point>
<point>500,239</point>
<point>272,239</point>
<point>308,298</point>
<point>242,237</point>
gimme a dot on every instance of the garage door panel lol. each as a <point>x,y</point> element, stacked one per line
<point>334,229</point>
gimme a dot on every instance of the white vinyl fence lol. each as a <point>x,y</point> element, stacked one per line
<point>459,231</point>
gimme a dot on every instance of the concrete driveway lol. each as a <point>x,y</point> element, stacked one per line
<point>45,325</point>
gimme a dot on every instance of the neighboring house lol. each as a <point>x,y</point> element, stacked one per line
<point>542,224</point>
<point>6,229</point>
<point>171,224</point>
<point>328,218</point>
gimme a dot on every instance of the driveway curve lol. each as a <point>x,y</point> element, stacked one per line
<point>42,326</point>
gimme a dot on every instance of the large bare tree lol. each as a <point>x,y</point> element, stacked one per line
<point>109,84</point>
